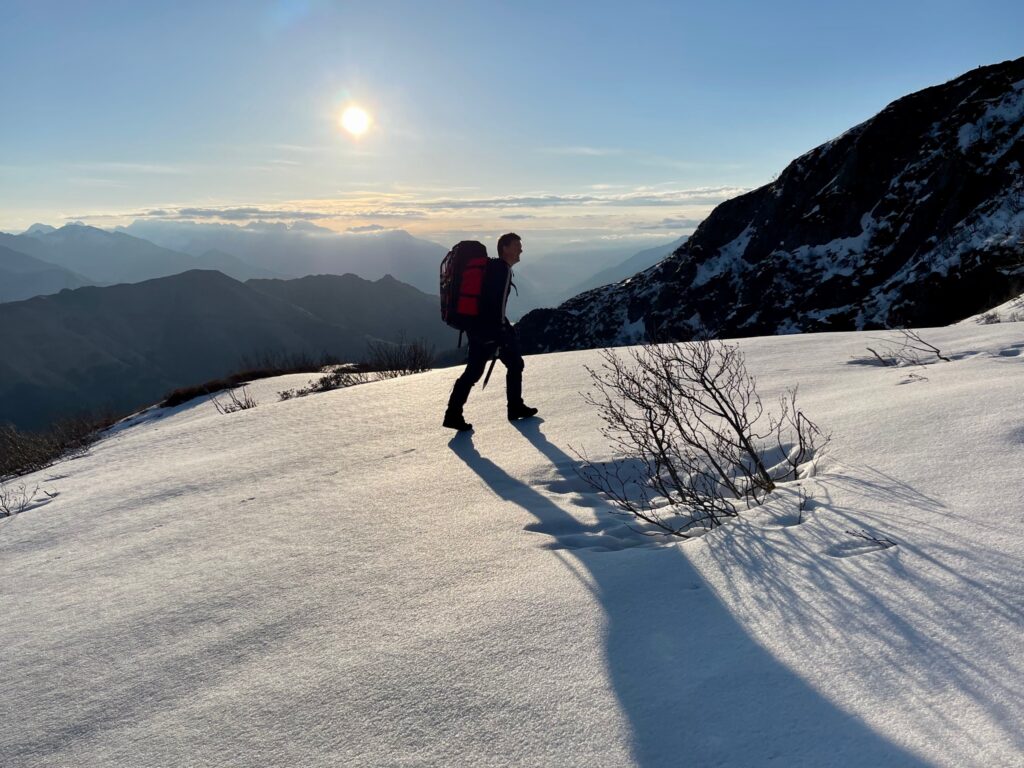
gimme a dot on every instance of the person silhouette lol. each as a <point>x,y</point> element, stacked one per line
<point>493,336</point>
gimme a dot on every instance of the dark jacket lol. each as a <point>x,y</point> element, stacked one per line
<point>493,299</point>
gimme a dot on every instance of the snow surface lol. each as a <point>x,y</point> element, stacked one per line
<point>1011,311</point>
<point>335,580</point>
<point>1007,111</point>
<point>728,259</point>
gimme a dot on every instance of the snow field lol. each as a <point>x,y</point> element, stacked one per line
<point>335,580</point>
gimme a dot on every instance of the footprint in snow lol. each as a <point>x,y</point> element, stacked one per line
<point>614,538</point>
<point>858,546</point>
<point>400,453</point>
<point>605,535</point>
<point>577,489</point>
<point>785,521</point>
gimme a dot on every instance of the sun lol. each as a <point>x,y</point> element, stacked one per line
<point>355,120</point>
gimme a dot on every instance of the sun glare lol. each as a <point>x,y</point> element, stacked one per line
<point>355,120</point>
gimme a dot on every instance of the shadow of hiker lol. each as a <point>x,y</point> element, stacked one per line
<point>694,686</point>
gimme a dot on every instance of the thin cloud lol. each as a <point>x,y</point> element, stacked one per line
<point>233,214</point>
<point>671,224</point>
<point>382,214</point>
<point>581,151</point>
<point>628,236</point>
<point>643,198</point>
<point>367,228</point>
<point>635,209</point>
<point>89,181</point>
<point>297,148</point>
<point>512,201</point>
<point>145,168</point>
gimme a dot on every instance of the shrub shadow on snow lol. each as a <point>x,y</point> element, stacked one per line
<point>695,687</point>
<point>906,607</point>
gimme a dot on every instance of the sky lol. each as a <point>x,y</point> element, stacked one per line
<point>565,121</point>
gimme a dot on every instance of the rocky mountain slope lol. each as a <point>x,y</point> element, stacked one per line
<point>914,217</point>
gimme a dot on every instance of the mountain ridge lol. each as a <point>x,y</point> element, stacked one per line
<point>124,346</point>
<point>23,276</point>
<point>912,217</point>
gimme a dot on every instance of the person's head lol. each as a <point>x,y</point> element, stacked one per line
<point>510,247</point>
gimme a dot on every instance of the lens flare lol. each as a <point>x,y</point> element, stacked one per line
<point>355,120</point>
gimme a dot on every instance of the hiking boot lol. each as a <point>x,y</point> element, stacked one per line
<point>521,411</point>
<point>456,421</point>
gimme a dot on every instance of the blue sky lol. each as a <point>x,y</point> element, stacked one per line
<point>567,120</point>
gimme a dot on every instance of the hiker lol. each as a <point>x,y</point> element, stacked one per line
<point>490,336</point>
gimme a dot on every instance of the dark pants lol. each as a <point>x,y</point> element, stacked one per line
<point>481,352</point>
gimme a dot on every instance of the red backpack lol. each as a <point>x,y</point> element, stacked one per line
<point>462,283</point>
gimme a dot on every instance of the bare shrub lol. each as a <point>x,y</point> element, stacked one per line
<point>391,360</point>
<point>696,441</point>
<point>262,366</point>
<point>15,499</point>
<point>989,318</point>
<point>238,400</point>
<point>337,377</point>
<point>279,363</point>
<point>384,360</point>
<point>24,452</point>
<point>908,348</point>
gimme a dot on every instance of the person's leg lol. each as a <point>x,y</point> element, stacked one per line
<point>479,353</point>
<point>511,356</point>
<point>512,359</point>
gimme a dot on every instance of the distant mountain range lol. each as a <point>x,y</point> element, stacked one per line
<point>548,280</point>
<point>125,346</point>
<point>302,249</point>
<point>23,276</point>
<point>142,319</point>
<point>77,255</point>
<point>154,248</point>
<point>914,217</point>
<point>96,256</point>
<point>631,266</point>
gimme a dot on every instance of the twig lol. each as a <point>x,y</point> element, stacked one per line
<point>883,541</point>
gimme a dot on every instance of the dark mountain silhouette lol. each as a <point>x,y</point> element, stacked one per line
<point>23,276</point>
<point>384,309</point>
<point>122,347</point>
<point>914,217</point>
